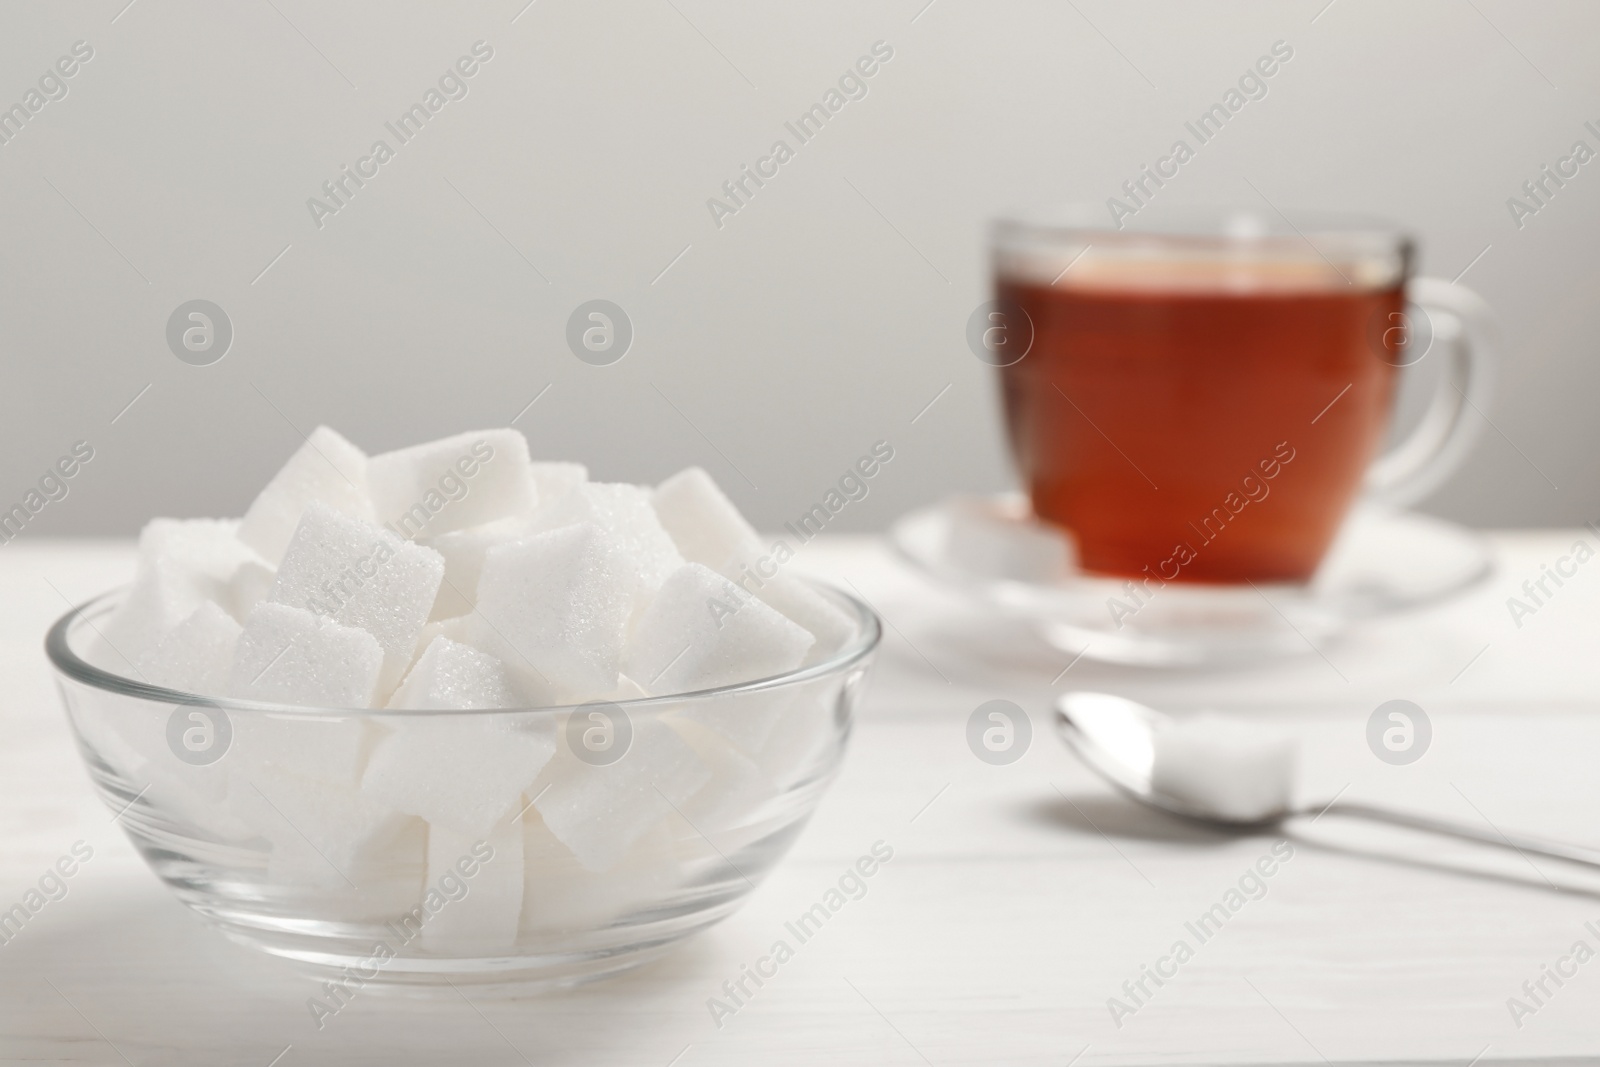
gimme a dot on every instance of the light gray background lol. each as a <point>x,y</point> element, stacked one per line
<point>824,316</point>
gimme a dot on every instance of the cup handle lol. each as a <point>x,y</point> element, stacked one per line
<point>1464,329</point>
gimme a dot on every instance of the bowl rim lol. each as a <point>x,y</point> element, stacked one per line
<point>68,662</point>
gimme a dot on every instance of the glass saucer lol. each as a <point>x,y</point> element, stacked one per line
<point>1382,564</point>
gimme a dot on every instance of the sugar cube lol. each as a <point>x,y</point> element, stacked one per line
<point>702,631</point>
<point>561,896</point>
<point>624,512</point>
<point>131,739</point>
<point>391,871</point>
<point>466,772</point>
<point>246,588</point>
<point>627,689</point>
<point>1224,766</point>
<point>453,675</point>
<point>456,628</point>
<point>991,543</point>
<point>360,575</point>
<point>801,604</point>
<point>327,470</point>
<point>553,481</point>
<point>705,525</point>
<point>197,655</point>
<point>182,563</point>
<point>728,808</point>
<point>322,835</point>
<point>600,811</point>
<point>744,720</point>
<point>163,594</point>
<point>207,548</point>
<point>492,581</point>
<point>463,552</point>
<point>324,748</point>
<point>552,607</point>
<point>287,654</point>
<point>803,740</point>
<point>452,483</point>
<point>478,878</point>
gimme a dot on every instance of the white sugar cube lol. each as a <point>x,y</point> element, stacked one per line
<point>322,747</point>
<point>729,805</point>
<point>483,580</point>
<point>463,552</point>
<point>452,483</point>
<point>288,655</point>
<point>702,631</point>
<point>1224,766</point>
<point>180,794</point>
<point>457,628</point>
<point>247,587</point>
<point>625,514</point>
<point>744,720</point>
<point>163,594</point>
<point>553,481</point>
<point>600,811</point>
<point>627,689</point>
<point>132,740</point>
<point>359,575</point>
<point>182,564</point>
<point>990,543</point>
<point>703,522</point>
<point>197,655</point>
<point>466,772</point>
<point>326,469</point>
<point>390,872</point>
<point>804,739</point>
<point>452,675</point>
<point>479,878</point>
<point>208,548</point>
<point>801,604</point>
<point>560,896</point>
<point>552,608</point>
<point>323,835</point>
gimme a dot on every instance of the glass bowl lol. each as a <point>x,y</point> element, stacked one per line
<point>564,844</point>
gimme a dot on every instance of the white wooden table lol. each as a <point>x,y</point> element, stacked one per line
<point>1019,899</point>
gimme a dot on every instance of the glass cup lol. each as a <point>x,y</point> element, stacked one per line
<point>1202,397</point>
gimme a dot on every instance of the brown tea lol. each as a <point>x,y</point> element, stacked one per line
<point>1200,421</point>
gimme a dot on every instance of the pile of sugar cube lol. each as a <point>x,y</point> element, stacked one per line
<point>460,574</point>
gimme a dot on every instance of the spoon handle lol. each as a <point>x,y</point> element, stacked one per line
<point>1520,843</point>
